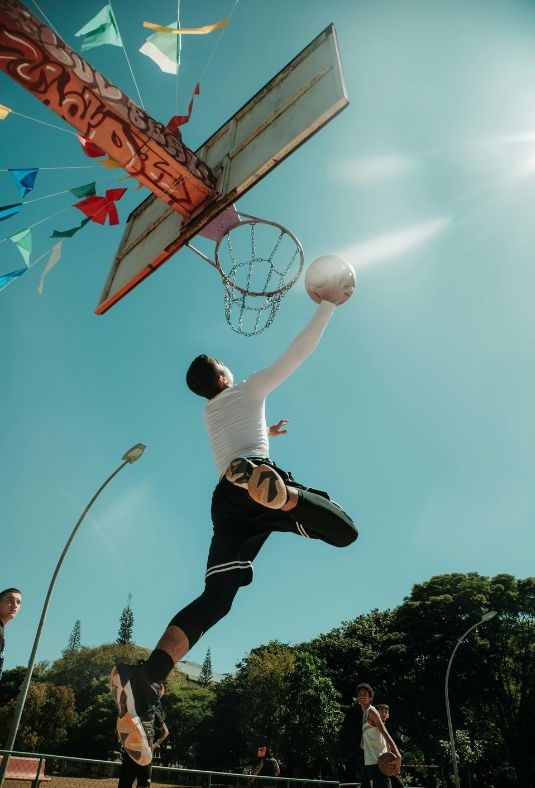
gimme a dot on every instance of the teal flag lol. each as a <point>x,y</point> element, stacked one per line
<point>71,232</point>
<point>25,179</point>
<point>102,29</point>
<point>163,49</point>
<point>85,191</point>
<point>23,242</point>
<point>6,279</point>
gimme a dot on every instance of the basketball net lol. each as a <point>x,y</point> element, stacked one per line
<point>259,261</point>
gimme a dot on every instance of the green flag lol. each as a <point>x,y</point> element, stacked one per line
<point>71,232</point>
<point>102,29</point>
<point>85,191</point>
<point>23,242</point>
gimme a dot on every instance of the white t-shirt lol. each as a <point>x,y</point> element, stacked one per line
<point>373,741</point>
<point>236,418</point>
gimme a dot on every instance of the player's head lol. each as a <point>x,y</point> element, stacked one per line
<point>10,602</point>
<point>384,711</point>
<point>365,694</point>
<point>208,376</point>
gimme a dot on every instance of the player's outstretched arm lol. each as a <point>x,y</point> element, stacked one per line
<point>303,345</point>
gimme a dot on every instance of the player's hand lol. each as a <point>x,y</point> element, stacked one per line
<point>277,429</point>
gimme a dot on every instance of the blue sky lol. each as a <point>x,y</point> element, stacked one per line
<point>415,412</point>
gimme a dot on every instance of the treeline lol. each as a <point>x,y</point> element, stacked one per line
<point>301,699</point>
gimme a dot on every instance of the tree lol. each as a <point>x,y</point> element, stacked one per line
<point>187,707</point>
<point>264,676</point>
<point>48,715</point>
<point>206,676</point>
<point>314,719</point>
<point>75,640</point>
<point>126,624</point>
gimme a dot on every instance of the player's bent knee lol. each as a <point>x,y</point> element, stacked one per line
<point>346,535</point>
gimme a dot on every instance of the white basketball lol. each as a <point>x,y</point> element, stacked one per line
<point>330,278</point>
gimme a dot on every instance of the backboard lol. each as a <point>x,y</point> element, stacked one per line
<point>286,112</point>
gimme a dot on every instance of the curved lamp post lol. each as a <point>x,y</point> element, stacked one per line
<point>129,457</point>
<point>486,617</point>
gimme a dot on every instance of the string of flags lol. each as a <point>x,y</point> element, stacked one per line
<point>163,49</point>
<point>95,208</point>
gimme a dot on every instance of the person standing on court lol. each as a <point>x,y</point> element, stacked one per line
<point>375,738</point>
<point>252,499</point>
<point>10,602</point>
<point>384,713</point>
<point>130,770</point>
<point>268,765</point>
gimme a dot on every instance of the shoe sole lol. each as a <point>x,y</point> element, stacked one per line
<point>129,727</point>
<point>239,472</point>
<point>267,488</point>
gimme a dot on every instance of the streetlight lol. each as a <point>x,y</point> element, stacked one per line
<point>486,617</point>
<point>129,457</point>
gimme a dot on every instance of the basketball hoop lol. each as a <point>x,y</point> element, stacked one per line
<point>258,261</point>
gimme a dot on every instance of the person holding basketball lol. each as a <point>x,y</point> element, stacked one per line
<point>253,498</point>
<point>376,741</point>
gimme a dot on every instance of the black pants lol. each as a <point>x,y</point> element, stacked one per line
<point>130,771</point>
<point>241,527</point>
<point>379,779</point>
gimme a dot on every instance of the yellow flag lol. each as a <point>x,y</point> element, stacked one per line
<point>4,112</point>
<point>110,164</point>
<point>181,31</point>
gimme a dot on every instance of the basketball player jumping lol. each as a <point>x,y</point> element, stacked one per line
<point>252,499</point>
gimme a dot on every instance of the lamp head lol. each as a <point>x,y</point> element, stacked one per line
<point>134,453</point>
<point>489,615</point>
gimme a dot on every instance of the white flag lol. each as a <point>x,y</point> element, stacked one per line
<point>54,258</point>
<point>162,48</point>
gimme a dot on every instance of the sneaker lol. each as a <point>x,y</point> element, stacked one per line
<point>266,487</point>
<point>135,695</point>
<point>239,472</point>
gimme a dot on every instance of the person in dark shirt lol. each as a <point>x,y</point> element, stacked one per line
<point>10,602</point>
<point>268,765</point>
<point>384,714</point>
<point>152,720</point>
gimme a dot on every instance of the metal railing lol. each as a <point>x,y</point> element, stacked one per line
<point>62,771</point>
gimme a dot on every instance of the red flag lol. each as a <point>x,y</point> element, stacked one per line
<point>89,148</point>
<point>98,209</point>
<point>179,120</point>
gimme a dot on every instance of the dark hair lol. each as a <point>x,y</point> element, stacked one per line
<point>203,375</point>
<point>9,591</point>
<point>383,706</point>
<point>366,687</point>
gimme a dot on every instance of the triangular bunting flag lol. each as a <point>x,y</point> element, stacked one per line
<point>84,191</point>
<point>184,31</point>
<point>179,120</point>
<point>9,210</point>
<point>23,242</point>
<point>110,164</point>
<point>69,233</point>
<point>6,279</point>
<point>4,112</point>
<point>163,50</point>
<point>102,29</point>
<point>24,179</point>
<point>54,258</point>
<point>89,148</point>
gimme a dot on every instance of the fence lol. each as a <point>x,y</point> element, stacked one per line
<point>40,770</point>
